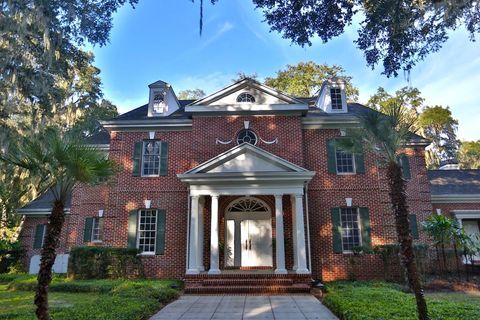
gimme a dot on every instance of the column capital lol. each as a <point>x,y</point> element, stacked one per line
<point>195,197</point>
<point>215,196</point>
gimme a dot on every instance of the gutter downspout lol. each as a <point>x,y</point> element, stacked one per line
<point>308,228</point>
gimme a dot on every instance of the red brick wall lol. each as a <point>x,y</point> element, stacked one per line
<point>187,149</point>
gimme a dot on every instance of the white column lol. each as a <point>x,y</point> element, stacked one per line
<point>279,241</point>
<point>294,232</point>
<point>200,241</point>
<point>214,262</point>
<point>300,235</point>
<point>193,250</point>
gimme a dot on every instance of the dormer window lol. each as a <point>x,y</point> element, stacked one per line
<point>245,98</point>
<point>336,97</point>
<point>159,104</point>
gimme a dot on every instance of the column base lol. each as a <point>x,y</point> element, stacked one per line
<point>192,271</point>
<point>214,271</point>
<point>281,271</point>
<point>302,271</point>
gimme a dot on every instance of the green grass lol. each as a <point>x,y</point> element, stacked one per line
<point>377,300</point>
<point>86,299</point>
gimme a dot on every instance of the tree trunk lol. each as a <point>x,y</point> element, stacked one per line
<point>438,259</point>
<point>444,257</point>
<point>398,198</point>
<point>456,258</point>
<point>52,239</point>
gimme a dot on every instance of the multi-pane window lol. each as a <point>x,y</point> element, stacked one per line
<point>345,161</point>
<point>147,229</point>
<point>350,221</point>
<point>248,136</point>
<point>97,229</point>
<point>151,158</point>
<point>336,97</point>
<point>246,98</point>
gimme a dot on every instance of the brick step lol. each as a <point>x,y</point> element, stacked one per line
<point>247,282</point>
<point>296,288</point>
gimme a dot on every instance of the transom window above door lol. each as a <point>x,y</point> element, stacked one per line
<point>247,136</point>
<point>245,98</point>
<point>248,205</point>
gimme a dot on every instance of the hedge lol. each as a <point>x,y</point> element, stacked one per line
<point>104,263</point>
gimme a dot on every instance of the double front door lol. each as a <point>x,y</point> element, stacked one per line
<point>249,243</point>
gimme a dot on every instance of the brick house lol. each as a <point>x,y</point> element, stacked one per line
<point>245,178</point>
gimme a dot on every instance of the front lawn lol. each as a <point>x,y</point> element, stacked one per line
<point>378,300</point>
<point>86,299</point>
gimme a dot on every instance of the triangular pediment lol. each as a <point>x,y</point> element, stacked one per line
<point>262,94</point>
<point>246,158</point>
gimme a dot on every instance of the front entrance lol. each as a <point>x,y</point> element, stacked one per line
<point>248,234</point>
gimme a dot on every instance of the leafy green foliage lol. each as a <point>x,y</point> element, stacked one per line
<point>46,79</point>
<point>397,34</point>
<point>305,79</point>
<point>435,123</point>
<point>378,300</point>
<point>439,126</point>
<point>193,94</point>
<point>104,262</point>
<point>87,299</point>
<point>469,155</point>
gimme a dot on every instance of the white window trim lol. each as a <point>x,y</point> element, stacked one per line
<point>353,165</point>
<point>159,163</point>
<point>147,253</point>
<point>44,233</point>
<point>93,228</point>
<point>245,102</point>
<point>359,229</point>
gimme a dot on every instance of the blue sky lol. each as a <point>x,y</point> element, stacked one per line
<point>159,40</point>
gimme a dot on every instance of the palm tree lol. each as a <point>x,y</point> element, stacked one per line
<point>441,229</point>
<point>387,134</point>
<point>57,163</point>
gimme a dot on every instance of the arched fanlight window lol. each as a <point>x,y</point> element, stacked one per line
<point>246,98</point>
<point>248,204</point>
<point>247,135</point>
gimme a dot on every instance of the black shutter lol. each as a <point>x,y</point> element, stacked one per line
<point>164,158</point>
<point>160,238</point>
<point>331,157</point>
<point>359,163</point>
<point>137,158</point>
<point>132,228</point>
<point>366,232</point>
<point>405,164</point>
<point>336,230</point>
<point>413,225</point>
<point>39,235</point>
<point>87,232</point>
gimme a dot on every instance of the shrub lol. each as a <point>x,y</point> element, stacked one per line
<point>148,289</point>
<point>104,262</point>
<point>10,256</point>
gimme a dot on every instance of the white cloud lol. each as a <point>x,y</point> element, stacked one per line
<point>224,28</point>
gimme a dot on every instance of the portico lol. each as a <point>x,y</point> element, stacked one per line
<point>246,173</point>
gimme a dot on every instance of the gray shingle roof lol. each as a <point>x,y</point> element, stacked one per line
<point>100,137</point>
<point>45,201</point>
<point>140,113</point>
<point>444,182</point>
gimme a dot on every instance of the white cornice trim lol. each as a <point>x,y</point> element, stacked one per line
<point>247,108</point>
<point>38,212</point>
<point>241,84</point>
<point>456,198</point>
<point>144,125</point>
<point>329,122</point>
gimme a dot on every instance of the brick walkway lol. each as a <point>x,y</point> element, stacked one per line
<point>291,307</point>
